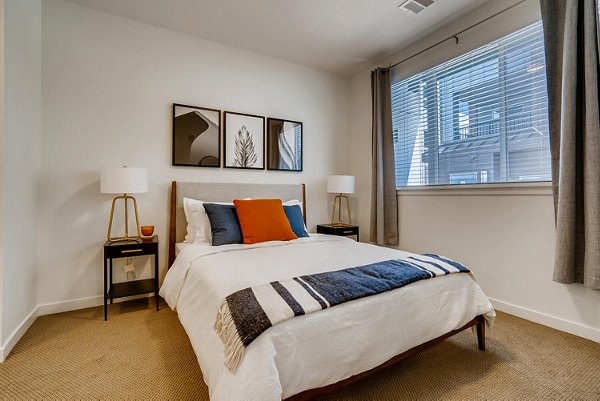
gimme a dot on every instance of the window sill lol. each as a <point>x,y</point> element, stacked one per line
<point>505,189</point>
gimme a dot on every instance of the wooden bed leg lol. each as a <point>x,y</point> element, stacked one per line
<point>481,333</point>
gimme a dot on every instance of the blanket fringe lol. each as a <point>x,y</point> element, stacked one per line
<point>227,332</point>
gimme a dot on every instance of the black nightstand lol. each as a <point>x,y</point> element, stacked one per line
<point>126,249</point>
<point>337,230</point>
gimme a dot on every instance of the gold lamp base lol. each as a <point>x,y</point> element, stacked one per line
<point>125,237</point>
<point>337,202</point>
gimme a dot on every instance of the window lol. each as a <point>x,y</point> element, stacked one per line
<point>479,118</point>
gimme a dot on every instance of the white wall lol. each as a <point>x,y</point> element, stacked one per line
<point>506,236</point>
<point>108,86</point>
<point>21,164</point>
<point>2,134</point>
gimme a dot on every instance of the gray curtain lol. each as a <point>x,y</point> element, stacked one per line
<point>572,65</point>
<point>384,201</point>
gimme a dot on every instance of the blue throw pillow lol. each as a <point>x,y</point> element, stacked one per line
<point>294,215</point>
<point>225,227</point>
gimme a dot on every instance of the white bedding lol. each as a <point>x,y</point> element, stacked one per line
<point>317,349</point>
<point>180,246</point>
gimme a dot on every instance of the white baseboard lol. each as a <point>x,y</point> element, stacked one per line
<point>72,304</point>
<point>577,329</point>
<point>45,309</point>
<point>81,303</point>
<point>16,335</point>
<point>48,309</point>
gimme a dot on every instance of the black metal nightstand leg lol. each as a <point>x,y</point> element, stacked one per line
<point>105,291</point>
<point>156,278</point>
<point>110,275</point>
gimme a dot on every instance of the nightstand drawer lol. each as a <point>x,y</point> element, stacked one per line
<point>337,230</point>
<point>125,250</point>
<point>116,253</point>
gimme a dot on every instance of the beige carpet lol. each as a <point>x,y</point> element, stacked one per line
<point>142,354</point>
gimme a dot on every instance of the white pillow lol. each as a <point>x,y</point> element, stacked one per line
<point>294,202</point>
<point>198,224</point>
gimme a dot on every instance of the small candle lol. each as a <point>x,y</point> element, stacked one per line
<point>147,231</point>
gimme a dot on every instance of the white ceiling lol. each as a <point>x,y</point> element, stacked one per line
<point>339,36</point>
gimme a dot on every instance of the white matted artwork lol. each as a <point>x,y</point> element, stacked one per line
<point>244,141</point>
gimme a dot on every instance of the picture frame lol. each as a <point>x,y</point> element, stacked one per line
<point>243,141</point>
<point>285,143</point>
<point>196,136</point>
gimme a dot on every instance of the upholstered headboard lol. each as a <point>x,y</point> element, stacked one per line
<point>219,192</point>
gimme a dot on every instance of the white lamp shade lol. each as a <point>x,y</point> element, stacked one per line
<point>340,184</point>
<point>124,180</point>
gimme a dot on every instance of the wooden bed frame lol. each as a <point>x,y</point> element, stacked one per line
<point>321,391</point>
<point>312,394</point>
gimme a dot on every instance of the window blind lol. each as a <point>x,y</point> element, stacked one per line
<point>481,117</point>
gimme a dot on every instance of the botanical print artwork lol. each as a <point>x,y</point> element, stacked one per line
<point>244,141</point>
<point>245,153</point>
<point>284,139</point>
<point>196,136</point>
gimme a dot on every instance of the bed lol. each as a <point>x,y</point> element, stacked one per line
<point>314,354</point>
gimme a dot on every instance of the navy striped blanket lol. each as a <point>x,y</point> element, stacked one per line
<point>247,313</point>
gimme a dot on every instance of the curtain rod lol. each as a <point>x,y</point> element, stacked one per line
<point>455,36</point>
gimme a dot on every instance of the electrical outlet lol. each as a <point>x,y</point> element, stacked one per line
<point>131,275</point>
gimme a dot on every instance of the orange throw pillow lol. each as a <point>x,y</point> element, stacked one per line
<point>263,220</point>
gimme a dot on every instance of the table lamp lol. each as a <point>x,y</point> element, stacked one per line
<point>340,185</point>
<point>124,180</point>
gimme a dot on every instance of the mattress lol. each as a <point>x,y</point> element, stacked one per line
<point>321,348</point>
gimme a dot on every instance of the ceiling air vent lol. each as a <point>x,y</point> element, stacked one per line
<point>415,6</point>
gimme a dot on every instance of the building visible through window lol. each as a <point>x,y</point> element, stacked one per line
<point>478,118</point>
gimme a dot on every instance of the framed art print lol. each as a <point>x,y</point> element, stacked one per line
<point>196,136</point>
<point>244,141</point>
<point>284,145</point>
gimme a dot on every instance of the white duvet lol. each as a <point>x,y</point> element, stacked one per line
<point>321,348</point>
